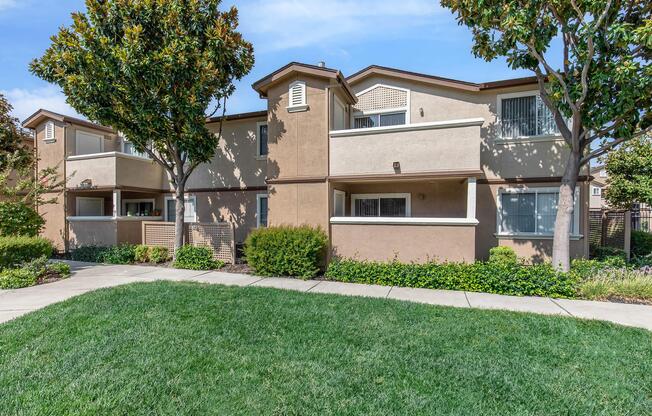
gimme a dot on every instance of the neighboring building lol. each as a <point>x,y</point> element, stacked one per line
<point>389,163</point>
<point>598,185</point>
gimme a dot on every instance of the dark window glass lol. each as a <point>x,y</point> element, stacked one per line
<point>263,212</point>
<point>262,140</point>
<point>392,207</point>
<point>366,207</point>
<point>396,119</point>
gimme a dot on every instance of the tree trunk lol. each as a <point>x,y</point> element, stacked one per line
<point>178,223</point>
<point>565,208</point>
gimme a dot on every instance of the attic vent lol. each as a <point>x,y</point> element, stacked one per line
<point>297,97</point>
<point>49,131</point>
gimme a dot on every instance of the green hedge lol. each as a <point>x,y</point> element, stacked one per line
<point>641,243</point>
<point>16,250</point>
<point>491,277</point>
<point>17,278</point>
<point>151,254</point>
<point>17,218</point>
<point>196,258</point>
<point>286,251</point>
<point>120,254</point>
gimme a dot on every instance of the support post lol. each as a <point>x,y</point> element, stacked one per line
<point>471,188</point>
<point>116,203</point>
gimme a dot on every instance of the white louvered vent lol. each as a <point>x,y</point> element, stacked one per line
<point>297,96</point>
<point>49,131</point>
<point>381,97</point>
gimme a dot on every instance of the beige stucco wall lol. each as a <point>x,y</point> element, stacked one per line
<point>111,170</point>
<point>298,204</point>
<point>55,221</point>
<point>92,233</point>
<point>407,243</point>
<point>597,201</point>
<point>238,207</point>
<point>111,142</point>
<point>417,151</point>
<point>534,249</point>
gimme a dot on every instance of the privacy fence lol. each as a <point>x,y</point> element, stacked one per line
<point>610,228</point>
<point>219,237</point>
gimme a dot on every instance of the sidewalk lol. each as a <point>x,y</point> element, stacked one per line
<point>88,276</point>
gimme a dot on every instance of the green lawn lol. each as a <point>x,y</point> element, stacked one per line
<point>182,348</point>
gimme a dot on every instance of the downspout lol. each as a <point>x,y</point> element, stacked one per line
<point>329,203</point>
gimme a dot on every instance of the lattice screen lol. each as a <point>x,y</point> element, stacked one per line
<point>219,237</point>
<point>381,98</point>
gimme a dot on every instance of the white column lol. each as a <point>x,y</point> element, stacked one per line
<point>470,198</point>
<point>116,203</point>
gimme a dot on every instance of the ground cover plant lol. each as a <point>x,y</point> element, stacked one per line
<point>36,271</point>
<point>265,351</point>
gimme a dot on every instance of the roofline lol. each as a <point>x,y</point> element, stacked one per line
<point>238,116</point>
<point>264,83</point>
<point>441,81</point>
<point>65,119</point>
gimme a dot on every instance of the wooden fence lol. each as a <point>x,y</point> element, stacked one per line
<point>609,228</point>
<point>219,237</point>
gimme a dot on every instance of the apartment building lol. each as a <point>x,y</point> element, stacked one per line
<point>390,163</point>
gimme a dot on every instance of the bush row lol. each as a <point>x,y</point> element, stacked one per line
<point>20,249</point>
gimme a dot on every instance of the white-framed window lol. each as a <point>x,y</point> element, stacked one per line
<point>190,214</point>
<point>297,100</point>
<point>89,206</point>
<point>524,114</point>
<point>380,205</point>
<point>339,114</point>
<point>262,208</point>
<point>262,139</point>
<point>129,149</point>
<point>49,136</point>
<point>531,211</point>
<point>138,207</point>
<point>366,121</point>
<point>339,203</point>
<point>88,143</point>
<point>596,191</point>
<point>603,173</point>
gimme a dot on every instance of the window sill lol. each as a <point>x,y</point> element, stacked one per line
<point>409,127</point>
<point>49,141</point>
<point>529,139</point>
<point>404,221</point>
<point>297,108</point>
<point>573,237</point>
<point>259,157</point>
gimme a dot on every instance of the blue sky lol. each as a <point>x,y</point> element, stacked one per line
<point>415,35</point>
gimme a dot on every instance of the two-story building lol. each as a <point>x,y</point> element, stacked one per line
<point>389,163</point>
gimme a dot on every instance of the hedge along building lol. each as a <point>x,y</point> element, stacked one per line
<point>389,163</point>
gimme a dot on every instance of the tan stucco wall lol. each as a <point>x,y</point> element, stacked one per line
<point>536,249</point>
<point>298,204</point>
<point>416,151</point>
<point>93,233</point>
<point>407,243</point>
<point>111,142</point>
<point>110,171</point>
<point>238,207</point>
<point>55,221</point>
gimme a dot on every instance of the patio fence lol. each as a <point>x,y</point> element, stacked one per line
<point>642,218</point>
<point>219,237</point>
<point>609,228</point>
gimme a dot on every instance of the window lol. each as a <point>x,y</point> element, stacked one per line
<point>138,207</point>
<point>339,114</point>
<point>129,149</point>
<point>524,116</point>
<point>596,191</point>
<point>89,207</point>
<point>297,97</point>
<point>380,205</point>
<point>379,120</point>
<point>530,211</point>
<point>261,210</point>
<point>49,131</point>
<point>262,139</point>
<point>603,173</point>
<point>88,143</point>
<point>190,214</point>
<point>339,201</point>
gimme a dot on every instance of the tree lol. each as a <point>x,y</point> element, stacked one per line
<point>630,174</point>
<point>151,69</point>
<point>13,139</point>
<point>601,94</point>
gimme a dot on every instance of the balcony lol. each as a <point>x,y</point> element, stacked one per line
<point>113,170</point>
<point>424,148</point>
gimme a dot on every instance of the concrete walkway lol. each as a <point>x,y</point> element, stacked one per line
<point>88,276</point>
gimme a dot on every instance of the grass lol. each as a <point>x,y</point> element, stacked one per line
<point>183,348</point>
<point>618,284</point>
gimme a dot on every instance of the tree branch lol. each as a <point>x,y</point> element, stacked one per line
<point>559,118</point>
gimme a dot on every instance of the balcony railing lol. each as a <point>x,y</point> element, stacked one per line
<point>113,169</point>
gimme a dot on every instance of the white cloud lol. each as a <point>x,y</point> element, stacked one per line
<point>7,4</point>
<point>26,102</point>
<point>289,24</point>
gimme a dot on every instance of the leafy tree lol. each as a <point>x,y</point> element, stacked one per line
<point>601,95</point>
<point>18,218</point>
<point>151,69</point>
<point>630,174</point>
<point>12,139</point>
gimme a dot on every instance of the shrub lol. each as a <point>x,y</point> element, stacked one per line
<point>17,218</point>
<point>16,250</point>
<point>286,251</point>
<point>91,254</point>
<point>62,269</point>
<point>141,253</point>
<point>17,278</point>
<point>502,254</point>
<point>619,284</point>
<point>196,258</point>
<point>490,277</point>
<point>158,254</point>
<point>120,254</point>
<point>38,266</point>
<point>602,252</point>
<point>641,243</point>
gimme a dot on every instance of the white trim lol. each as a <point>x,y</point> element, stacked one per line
<point>431,125</point>
<point>403,221</point>
<point>123,207</point>
<point>88,198</point>
<point>594,189</point>
<point>107,154</point>
<point>172,198</point>
<point>107,218</point>
<point>406,196</point>
<point>46,138</point>
<point>117,196</point>
<point>383,111</point>
<point>536,190</point>
<point>471,191</point>
<point>258,211</point>
<point>303,105</point>
<point>530,236</point>
<point>342,193</point>
<point>257,135</point>
<point>529,139</point>
<point>521,139</point>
